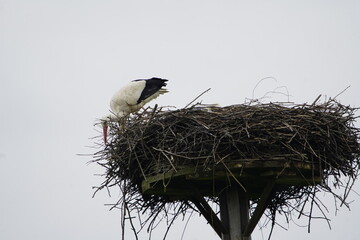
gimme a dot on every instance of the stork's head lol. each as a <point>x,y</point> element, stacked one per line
<point>104,121</point>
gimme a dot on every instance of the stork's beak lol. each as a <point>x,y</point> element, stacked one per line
<point>105,129</point>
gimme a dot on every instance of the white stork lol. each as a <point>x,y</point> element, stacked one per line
<point>131,98</point>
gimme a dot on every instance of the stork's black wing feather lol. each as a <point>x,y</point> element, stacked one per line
<point>152,85</point>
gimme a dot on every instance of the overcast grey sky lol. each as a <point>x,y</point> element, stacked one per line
<point>61,61</point>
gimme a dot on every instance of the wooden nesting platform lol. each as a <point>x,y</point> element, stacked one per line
<point>234,183</point>
<point>251,175</point>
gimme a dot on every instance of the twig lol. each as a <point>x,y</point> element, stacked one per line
<point>198,97</point>
<point>341,92</point>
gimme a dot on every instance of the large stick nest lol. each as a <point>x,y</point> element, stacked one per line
<point>203,137</point>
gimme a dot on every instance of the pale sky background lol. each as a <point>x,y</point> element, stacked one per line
<point>61,61</point>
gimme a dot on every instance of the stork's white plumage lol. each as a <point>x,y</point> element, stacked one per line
<point>132,97</point>
<point>135,95</point>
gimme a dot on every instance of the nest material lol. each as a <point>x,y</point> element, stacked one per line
<point>207,138</point>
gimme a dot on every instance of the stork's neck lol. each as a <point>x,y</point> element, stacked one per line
<point>109,118</point>
<point>112,117</point>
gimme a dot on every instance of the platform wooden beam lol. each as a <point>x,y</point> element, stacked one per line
<point>224,216</point>
<point>260,208</point>
<point>209,215</point>
<point>234,211</point>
